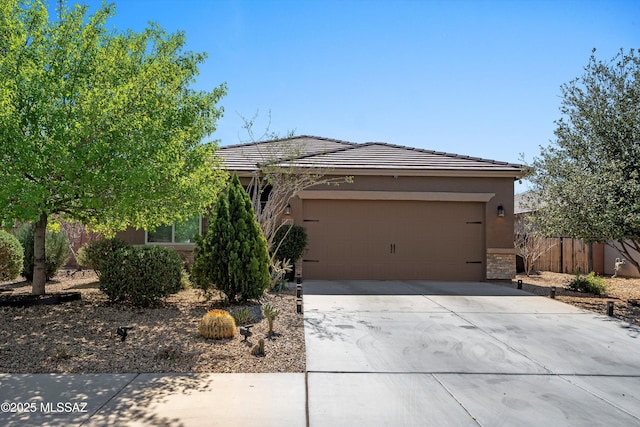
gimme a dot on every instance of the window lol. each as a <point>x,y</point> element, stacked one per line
<point>181,233</point>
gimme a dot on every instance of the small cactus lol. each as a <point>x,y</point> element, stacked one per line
<point>270,312</point>
<point>258,349</point>
<point>242,316</point>
<point>217,324</point>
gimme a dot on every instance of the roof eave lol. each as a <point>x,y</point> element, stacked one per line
<point>476,173</point>
<point>470,173</point>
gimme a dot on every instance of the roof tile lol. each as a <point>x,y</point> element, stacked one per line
<point>318,152</point>
<point>246,157</point>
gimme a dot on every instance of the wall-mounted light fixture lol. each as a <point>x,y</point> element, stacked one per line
<point>287,210</point>
<point>500,210</point>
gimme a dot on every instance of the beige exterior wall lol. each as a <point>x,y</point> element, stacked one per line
<point>131,235</point>
<point>499,230</point>
<point>500,255</point>
<point>491,192</point>
<point>627,270</point>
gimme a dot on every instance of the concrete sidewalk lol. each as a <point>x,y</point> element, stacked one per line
<point>429,353</point>
<point>168,400</point>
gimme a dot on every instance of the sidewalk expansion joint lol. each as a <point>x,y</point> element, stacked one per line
<point>109,400</point>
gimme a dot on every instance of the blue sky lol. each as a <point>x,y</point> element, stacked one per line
<point>479,78</point>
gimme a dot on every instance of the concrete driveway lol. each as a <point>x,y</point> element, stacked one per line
<point>436,353</point>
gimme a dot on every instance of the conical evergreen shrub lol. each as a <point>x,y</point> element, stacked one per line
<point>249,255</point>
<point>233,255</point>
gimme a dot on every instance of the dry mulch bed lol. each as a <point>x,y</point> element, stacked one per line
<point>80,336</point>
<point>624,292</point>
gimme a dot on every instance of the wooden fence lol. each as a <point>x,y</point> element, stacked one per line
<point>566,255</point>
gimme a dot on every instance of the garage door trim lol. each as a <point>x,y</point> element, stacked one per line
<point>426,196</point>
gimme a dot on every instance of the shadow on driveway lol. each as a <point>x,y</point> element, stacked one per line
<point>425,288</point>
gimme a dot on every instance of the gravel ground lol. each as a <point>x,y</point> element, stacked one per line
<point>624,292</point>
<point>80,336</point>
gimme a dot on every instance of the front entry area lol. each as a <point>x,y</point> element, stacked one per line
<point>394,240</point>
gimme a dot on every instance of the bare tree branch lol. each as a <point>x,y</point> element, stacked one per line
<point>276,181</point>
<point>530,244</point>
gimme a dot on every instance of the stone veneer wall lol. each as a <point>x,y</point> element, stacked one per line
<point>501,264</point>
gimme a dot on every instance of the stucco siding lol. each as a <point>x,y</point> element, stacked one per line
<point>626,270</point>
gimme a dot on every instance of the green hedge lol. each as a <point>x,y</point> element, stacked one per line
<point>11,256</point>
<point>56,250</point>
<point>292,241</point>
<point>93,254</point>
<point>141,275</point>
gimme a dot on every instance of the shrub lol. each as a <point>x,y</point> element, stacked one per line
<point>290,242</point>
<point>185,280</point>
<point>249,256</point>
<point>11,256</point>
<point>200,275</point>
<point>56,250</point>
<point>279,271</point>
<point>233,255</point>
<point>242,316</point>
<point>590,283</point>
<point>82,258</point>
<point>93,254</point>
<point>141,275</point>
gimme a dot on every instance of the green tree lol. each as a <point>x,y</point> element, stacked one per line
<point>249,256</point>
<point>98,125</point>
<point>275,182</point>
<point>211,254</point>
<point>588,181</point>
<point>233,255</point>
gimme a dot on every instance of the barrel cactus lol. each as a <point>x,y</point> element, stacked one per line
<point>217,324</point>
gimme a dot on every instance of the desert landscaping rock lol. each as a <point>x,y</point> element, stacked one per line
<point>624,292</point>
<point>80,336</point>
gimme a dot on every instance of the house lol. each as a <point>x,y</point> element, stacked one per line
<point>408,213</point>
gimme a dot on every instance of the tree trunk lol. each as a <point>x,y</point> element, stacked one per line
<point>39,267</point>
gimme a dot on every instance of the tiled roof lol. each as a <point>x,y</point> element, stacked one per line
<point>526,202</point>
<point>245,157</point>
<point>376,155</point>
<point>340,155</point>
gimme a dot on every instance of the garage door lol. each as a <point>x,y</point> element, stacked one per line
<point>386,240</point>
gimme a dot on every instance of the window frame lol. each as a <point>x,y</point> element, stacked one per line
<point>173,236</point>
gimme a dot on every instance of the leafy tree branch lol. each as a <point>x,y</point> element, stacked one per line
<point>101,125</point>
<point>588,180</point>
